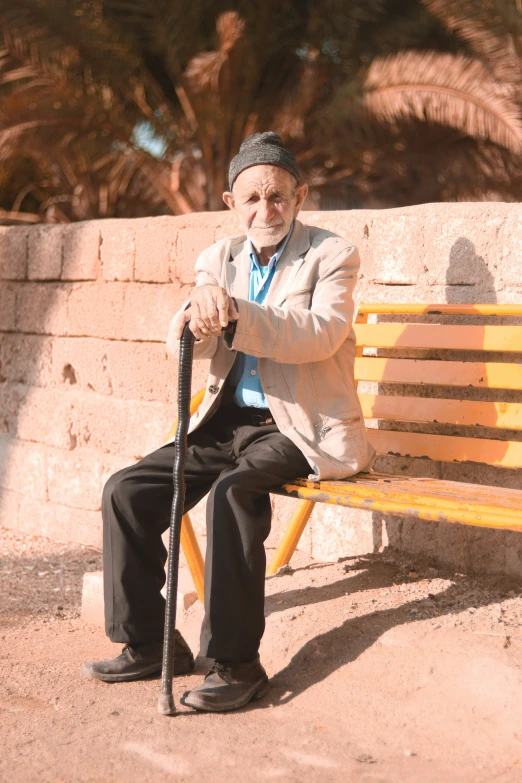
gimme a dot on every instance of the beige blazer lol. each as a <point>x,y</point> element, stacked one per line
<point>304,340</point>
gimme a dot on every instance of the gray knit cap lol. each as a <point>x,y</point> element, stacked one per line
<point>262,149</point>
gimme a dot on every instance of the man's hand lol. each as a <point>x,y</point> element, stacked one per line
<point>211,308</point>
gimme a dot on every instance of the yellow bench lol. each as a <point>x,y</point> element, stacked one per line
<point>425,498</point>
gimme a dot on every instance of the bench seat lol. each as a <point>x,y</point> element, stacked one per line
<point>425,498</point>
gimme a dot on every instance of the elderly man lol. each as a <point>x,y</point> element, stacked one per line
<point>273,311</point>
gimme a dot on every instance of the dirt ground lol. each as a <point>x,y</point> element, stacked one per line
<point>383,669</point>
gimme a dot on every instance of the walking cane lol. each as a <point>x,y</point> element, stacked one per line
<point>166,704</point>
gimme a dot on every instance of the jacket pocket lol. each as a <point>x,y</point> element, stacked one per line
<point>326,431</point>
<point>344,440</point>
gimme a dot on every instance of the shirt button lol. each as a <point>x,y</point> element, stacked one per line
<point>253,372</point>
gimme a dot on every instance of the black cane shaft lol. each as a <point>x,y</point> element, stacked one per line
<point>166,702</point>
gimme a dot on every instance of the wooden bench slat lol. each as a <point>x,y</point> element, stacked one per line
<point>434,500</point>
<point>439,336</point>
<point>444,492</point>
<point>447,448</point>
<point>487,375</point>
<point>445,309</point>
<point>427,409</point>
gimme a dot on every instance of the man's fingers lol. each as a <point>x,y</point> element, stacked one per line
<point>233,312</point>
<point>223,305</point>
<point>181,319</point>
<point>212,314</point>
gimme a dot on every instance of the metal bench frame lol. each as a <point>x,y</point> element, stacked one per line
<point>429,499</point>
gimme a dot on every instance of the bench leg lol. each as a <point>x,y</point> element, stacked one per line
<point>193,555</point>
<point>291,536</point>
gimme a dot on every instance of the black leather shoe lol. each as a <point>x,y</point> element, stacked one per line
<point>139,661</point>
<point>227,687</point>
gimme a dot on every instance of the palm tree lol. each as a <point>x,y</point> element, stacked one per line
<point>129,107</point>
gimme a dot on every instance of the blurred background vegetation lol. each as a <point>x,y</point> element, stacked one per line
<point>129,108</point>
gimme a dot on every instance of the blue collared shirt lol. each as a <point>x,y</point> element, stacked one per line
<point>246,371</point>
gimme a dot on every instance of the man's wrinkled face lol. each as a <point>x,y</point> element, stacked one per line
<point>266,199</point>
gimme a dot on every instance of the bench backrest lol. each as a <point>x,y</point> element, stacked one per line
<point>436,358</point>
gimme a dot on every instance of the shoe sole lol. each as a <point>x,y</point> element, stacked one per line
<point>198,703</point>
<point>141,675</point>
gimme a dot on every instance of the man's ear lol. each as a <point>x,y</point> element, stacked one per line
<point>229,200</point>
<point>301,193</point>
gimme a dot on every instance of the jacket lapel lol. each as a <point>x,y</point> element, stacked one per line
<point>238,270</point>
<point>289,264</point>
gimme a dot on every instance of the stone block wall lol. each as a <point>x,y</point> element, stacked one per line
<point>87,387</point>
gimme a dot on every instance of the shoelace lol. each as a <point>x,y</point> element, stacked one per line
<point>219,668</point>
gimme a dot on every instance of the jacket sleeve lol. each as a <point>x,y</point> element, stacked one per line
<point>295,335</point>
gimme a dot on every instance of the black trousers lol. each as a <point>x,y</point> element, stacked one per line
<point>238,464</point>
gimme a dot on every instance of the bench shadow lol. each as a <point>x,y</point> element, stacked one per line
<point>329,651</point>
<point>382,575</point>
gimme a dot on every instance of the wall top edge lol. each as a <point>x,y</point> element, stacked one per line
<point>458,209</point>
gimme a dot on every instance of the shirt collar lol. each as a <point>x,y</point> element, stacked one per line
<point>254,261</point>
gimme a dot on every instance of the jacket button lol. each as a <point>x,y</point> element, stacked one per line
<point>213,389</point>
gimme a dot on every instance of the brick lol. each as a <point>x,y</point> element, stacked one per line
<point>510,244</point>
<point>60,522</point>
<point>117,249</point>
<point>391,260</point>
<point>12,401</point>
<point>38,518</point>
<point>45,252</point>
<point>41,308</point>
<point>23,467</point>
<point>197,235</point>
<point>461,252</point>
<point>112,464</point>
<point>81,251</point>
<point>336,531</point>
<point>352,225</point>
<point>25,359</point>
<point>46,416</point>
<point>149,310</point>
<point>95,310</point>
<point>154,245</point>
<point>74,477</point>
<point>81,362</point>
<point>226,224</point>
<point>9,507</point>
<point>141,371</point>
<point>129,370</point>
<point>93,610</point>
<point>85,527</point>
<point>7,307</point>
<point>13,252</point>
<point>121,427</point>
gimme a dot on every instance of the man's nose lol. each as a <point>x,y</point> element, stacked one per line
<point>265,211</point>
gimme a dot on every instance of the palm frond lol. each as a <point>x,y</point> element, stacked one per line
<point>446,90</point>
<point>202,72</point>
<point>493,30</point>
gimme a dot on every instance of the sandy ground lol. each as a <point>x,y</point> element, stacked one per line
<point>383,670</point>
